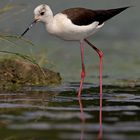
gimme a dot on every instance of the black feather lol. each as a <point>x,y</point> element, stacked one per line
<point>82,16</point>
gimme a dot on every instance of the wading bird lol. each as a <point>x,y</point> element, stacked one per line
<point>75,24</point>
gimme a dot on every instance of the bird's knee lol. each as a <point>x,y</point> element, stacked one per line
<point>83,74</point>
<point>101,54</point>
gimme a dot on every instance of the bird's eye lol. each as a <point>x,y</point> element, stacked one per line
<point>42,13</point>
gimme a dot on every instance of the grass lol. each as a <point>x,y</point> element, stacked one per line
<point>6,8</point>
<point>8,40</point>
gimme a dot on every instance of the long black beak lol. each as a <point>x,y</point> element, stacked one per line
<point>30,26</point>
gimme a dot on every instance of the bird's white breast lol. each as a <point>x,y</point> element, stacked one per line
<point>65,29</point>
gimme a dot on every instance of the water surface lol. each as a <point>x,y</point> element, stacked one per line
<point>42,113</point>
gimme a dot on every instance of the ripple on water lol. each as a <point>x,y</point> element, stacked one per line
<point>49,110</point>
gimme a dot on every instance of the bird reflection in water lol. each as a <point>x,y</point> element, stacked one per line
<point>83,119</point>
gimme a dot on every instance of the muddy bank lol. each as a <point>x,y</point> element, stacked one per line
<point>16,73</point>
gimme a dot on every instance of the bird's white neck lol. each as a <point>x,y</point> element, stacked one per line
<point>49,19</point>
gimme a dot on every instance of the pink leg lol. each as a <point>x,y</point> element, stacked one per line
<point>100,53</point>
<point>83,74</point>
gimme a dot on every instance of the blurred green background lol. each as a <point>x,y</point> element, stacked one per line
<point>119,39</point>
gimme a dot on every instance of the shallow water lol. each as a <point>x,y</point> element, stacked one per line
<point>40,113</point>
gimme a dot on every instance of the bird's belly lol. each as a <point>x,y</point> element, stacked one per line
<point>75,35</point>
<point>78,33</point>
<point>64,29</point>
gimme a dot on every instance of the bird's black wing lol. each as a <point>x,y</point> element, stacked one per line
<point>82,16</point>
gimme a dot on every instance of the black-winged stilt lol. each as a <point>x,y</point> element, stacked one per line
<point>75,24</point>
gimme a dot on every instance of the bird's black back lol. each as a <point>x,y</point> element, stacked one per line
<point>82,16</point>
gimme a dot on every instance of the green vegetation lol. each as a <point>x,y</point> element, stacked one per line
<point>17,70</point>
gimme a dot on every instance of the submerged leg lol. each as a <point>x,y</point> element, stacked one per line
<point>82,116</point>
<point>83,73</point>
<point>100,53</point>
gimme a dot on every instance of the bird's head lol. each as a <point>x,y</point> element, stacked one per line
<point>42,13</point>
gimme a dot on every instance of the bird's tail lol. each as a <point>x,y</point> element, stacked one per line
<point>107,14</point>
<point>114,12</point>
